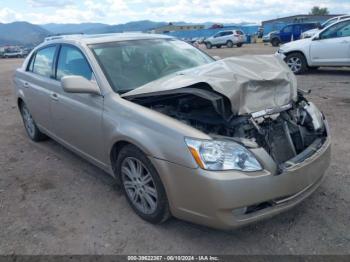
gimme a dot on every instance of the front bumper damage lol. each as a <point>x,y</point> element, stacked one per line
<point>229,199</point>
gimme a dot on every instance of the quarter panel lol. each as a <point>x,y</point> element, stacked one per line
<point>36,95</point>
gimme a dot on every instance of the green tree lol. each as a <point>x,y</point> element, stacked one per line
<point>316,10</point>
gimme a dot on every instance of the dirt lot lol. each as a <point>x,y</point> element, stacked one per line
<point>53,202</point>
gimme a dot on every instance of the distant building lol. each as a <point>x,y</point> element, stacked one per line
<point>174,28</point>
<point>278,23</point>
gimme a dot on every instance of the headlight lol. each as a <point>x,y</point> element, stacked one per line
<point>222,155</point>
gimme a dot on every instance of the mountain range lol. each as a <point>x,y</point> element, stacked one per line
<point>21,33</point>
<point>27,34</point>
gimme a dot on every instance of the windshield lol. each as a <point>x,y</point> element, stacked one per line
<point>131,64</point>
<point>328,22</point>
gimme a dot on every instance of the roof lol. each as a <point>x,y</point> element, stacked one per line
<point>301,15</point>
<point>103,38</point>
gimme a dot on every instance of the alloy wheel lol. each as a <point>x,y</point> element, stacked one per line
<point>294,64</point>
<point>28,121</point>
<point>139,185</point>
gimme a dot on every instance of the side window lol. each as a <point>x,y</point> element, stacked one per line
<point>229,33</point>
<point>287,29</point>
<point>345,31</point>
<point>341,29</point>
<point>42,64</point>
<point>72,62</point>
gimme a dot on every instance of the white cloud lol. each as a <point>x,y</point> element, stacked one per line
<point>49,3</point>
<point>8,15</point>
<point>121,11</point>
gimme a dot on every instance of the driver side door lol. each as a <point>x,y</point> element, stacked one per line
<point>332,47</point>
<point>286,34</point>
<point>216,38</point>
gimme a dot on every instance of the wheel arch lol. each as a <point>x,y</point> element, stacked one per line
<point>116,149</point>
<point>20,101</point>
<point>299,52</point>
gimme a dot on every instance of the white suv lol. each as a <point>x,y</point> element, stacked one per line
<point>228,38</point>
<point>312,32</point>
<point>329,47</point>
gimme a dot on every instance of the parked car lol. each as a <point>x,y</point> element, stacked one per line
<point>267,38</point>
<point>227,38</point>
<point>312,32</point>
<point>13,53</point>
<point>175,128</point>
<point>329,47</point>
<point>290,32</point>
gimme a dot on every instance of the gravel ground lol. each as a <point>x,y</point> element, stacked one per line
<point>54,202</point>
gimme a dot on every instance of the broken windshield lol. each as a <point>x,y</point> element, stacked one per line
<point>131,64</point>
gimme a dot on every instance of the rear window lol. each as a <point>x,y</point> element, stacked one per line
<point>42,64</point>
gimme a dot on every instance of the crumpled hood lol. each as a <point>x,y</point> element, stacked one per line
<point>251,83</point>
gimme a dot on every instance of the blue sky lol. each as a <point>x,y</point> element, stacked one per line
<point>121,11</point>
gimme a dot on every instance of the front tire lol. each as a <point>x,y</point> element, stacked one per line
<point>297,63</point>
<point>29,124</point>
<point>275,42</point>
<point>142,185</point>
<point>208,45</point>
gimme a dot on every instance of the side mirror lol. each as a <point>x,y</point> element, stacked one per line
<point>316,37</point>
<point>319,26</point>
<point>79,84</point>
<point>216,57</point>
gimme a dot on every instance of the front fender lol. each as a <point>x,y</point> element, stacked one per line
<point>157,135</point>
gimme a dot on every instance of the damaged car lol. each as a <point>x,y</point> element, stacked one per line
<point>219,143</point>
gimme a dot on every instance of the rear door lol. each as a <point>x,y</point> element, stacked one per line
<point>333,46</point>
<point>77,118</point>
<point>37,84</point>
<point>228,37</point>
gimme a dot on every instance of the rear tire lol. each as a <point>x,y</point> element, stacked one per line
<point>30,126</point>
<point>229,44</point>
<point>142,185</point>
<point>275,42</point>
<point>239,44</point>
<point>208,45</point>
<point>297,63</point>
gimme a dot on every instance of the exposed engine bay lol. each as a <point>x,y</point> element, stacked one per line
<point>294,131</point>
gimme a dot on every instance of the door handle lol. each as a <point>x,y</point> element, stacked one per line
<point>26,84</point>
<point>54,96</point>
